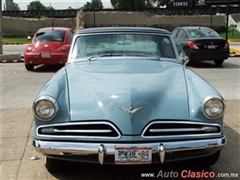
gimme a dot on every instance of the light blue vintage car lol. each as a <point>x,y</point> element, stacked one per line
<point>127,103</point>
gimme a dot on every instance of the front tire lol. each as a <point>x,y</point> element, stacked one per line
<point>55,165</point>
<point>29,67</point>
<point>218,62</point>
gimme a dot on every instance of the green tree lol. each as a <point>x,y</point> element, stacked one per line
<point>94,4</point>
<point>97,4</point>
<point>69,7</point>
<point>16,7</point>
<point>36,5</point>
<point>137,4</point>
<point>88,5</point>
<point>128,4</point>
<point>50,8</point>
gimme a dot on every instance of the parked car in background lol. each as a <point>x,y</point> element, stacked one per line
<point>131,103</point>
<point>202,43</point>
<point>50,45</point>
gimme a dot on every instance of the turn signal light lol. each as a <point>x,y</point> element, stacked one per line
<point>29,49</point>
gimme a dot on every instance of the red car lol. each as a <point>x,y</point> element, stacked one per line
<point>50,45</point>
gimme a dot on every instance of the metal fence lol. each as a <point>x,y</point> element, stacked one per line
<point>202,10</point>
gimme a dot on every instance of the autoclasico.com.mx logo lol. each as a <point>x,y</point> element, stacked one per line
<point>188,174</point>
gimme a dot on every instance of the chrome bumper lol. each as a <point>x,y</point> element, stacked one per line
<point>104,149</point>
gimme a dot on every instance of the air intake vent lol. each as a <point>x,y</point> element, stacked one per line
<point>179,128</point>
<point>81,129</point>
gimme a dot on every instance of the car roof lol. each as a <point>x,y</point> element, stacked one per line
<point>194,27</point>
<point>57,28</point>
<point>122,29</point>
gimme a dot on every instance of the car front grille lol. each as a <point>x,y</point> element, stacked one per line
<point>97,129</point>
<point>164,129</point>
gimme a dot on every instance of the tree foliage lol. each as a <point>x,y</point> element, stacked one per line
<point>94,4</point>
<point>50,8</point>
<point>16,7</point>
<point>36,5</point>
<point>137,4</point>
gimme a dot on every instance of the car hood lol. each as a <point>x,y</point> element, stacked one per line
<point>103,90</point>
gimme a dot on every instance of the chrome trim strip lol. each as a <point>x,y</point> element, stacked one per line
<point>177,130</point>
<point>82,131</point>
<point>81,149</point>
<point>78,123</point>
<point>182,122</point>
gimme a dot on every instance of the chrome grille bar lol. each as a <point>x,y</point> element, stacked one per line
<point>82,131</point>
<point>177,130</point>
<point>76,130</point>
<point>180,129</point>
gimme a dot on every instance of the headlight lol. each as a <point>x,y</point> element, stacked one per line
<point>213,106</point>
<point>45,108</point>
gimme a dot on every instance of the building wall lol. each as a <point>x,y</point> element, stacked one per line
<point>235,19</point>
<point>27,27</point>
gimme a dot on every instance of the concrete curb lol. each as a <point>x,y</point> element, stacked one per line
<point>234,51</point>
<point>15,43</point>
<point>10,58</point>
<point>234,40</point>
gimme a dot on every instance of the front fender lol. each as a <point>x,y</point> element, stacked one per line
<point>198,89</point>
<point>57,88</point>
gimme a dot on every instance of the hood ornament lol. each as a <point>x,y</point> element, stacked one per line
<point>131,111</point>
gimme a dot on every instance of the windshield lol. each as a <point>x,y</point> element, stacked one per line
<point>50,35</point>
<point>196,33</point>
<point>122,45</point>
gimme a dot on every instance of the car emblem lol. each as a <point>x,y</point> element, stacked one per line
<point>131,111</point>
<point>46,45</point>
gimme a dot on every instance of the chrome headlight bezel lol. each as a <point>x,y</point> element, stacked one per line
<point>213,102</point>
<point>48,102</point>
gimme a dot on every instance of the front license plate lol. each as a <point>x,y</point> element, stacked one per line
<point>133,155</point>
<point>45,55</point>
<point>211,46</point>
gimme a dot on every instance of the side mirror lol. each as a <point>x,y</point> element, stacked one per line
<point>184,59</point>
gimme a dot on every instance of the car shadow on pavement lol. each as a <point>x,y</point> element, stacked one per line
<point>47,68</point>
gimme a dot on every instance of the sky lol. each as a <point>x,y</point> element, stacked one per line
<point>58,4</point>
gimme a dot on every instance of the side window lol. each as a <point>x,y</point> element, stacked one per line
<point>168,51</point>
<point>182,34</point>
<point>180,50</point>
<point>71,33</point>
<point>174,33</point>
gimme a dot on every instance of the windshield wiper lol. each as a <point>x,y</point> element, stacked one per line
<point>108,55</point>
<point>146,55</point>
<point>103,55</point>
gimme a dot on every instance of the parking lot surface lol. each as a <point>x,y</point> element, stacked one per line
<point>19,161</point>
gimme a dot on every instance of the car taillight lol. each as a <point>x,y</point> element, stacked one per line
<point>192,45</point>
<point>226,45</point>
<point>29,48</point>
